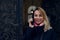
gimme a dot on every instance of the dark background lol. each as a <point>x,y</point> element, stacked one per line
<point>12,17</point>
<point>52,8</point>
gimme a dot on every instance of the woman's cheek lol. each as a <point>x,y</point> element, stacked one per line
<point>38,20</point>
<point>35,19</point>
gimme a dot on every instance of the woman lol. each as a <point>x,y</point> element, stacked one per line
<point>39,27</point>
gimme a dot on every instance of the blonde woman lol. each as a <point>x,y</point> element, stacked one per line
<point>39,27</point>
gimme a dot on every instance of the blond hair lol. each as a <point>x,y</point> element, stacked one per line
<point>46,20</point>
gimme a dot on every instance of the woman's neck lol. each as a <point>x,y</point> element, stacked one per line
<point>41,24</point>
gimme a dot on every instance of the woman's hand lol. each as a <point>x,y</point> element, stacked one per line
<point>30,24</point>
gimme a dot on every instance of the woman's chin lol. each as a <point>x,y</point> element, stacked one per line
<point>38,23</point>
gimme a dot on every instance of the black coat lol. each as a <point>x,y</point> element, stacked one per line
<point>37,33</point>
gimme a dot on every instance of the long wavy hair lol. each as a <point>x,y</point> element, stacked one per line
<point>46,20</point>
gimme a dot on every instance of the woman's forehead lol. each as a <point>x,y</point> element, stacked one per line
<point>37,12</point>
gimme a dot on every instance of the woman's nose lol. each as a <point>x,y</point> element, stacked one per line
<point>38,17</point>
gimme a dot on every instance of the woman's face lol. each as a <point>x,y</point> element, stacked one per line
<point>38,17</point>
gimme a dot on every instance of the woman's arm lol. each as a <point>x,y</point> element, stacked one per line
<point>27,33</point>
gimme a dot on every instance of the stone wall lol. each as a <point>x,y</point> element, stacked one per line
<point>8,21</point>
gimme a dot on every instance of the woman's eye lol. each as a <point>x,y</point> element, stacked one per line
<point>40,15</point>
<point>35,15</point>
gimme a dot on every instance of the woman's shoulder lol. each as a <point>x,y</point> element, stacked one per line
<point>51,31</point>
<point>50,34</point>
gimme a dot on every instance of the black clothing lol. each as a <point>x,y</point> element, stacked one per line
<point>37,33</point>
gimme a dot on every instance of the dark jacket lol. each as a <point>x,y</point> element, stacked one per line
<point>37,33</point>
